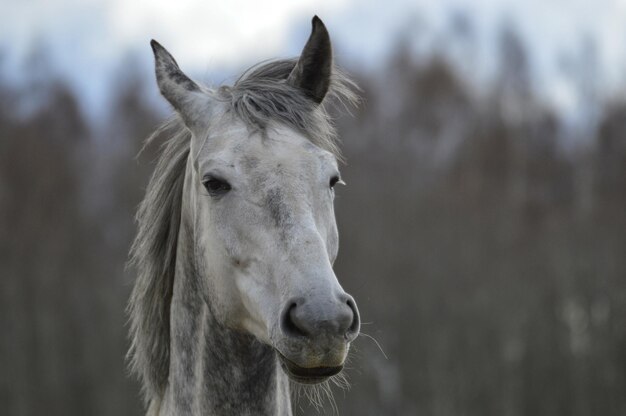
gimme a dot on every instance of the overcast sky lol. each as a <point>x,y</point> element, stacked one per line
<point>88,39</point>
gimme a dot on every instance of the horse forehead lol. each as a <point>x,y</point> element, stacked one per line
<point>280,153</point>
<point>274,152</point>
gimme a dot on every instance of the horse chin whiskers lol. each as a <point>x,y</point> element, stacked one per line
<point>319,394</point>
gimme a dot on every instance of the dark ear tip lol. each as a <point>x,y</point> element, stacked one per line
<point>161,54</point>
<point>316,21</point>
<point>155,46</point>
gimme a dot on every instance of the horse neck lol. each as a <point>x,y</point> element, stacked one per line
<point>215,370</point>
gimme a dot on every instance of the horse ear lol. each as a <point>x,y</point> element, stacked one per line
<point>183,94</point>
<point>313,70</point>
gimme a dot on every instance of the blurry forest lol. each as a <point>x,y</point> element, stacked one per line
<point>486,253</point>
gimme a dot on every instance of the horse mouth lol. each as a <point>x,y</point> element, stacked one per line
<point>303,375</point>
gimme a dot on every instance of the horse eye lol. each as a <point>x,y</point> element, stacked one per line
<point>216,186</point>
<point>333,181</point>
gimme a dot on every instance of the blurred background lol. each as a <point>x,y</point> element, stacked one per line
<point>483,228</point>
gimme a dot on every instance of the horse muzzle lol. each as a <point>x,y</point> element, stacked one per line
<point>315,337</point>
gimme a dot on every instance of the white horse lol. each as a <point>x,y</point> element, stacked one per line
<point>235,292</point>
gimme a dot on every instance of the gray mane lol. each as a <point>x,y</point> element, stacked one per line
<point>259,96</point>
<point>153,254</point>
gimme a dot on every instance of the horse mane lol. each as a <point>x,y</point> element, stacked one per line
<point>259,96</point>
<point>153,254</point>
<point>262,95</point>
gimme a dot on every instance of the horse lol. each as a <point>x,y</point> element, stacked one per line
<point>235,297</point>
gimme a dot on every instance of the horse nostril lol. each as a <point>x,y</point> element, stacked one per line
<point>355,325</point>
<point>290,322</point>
